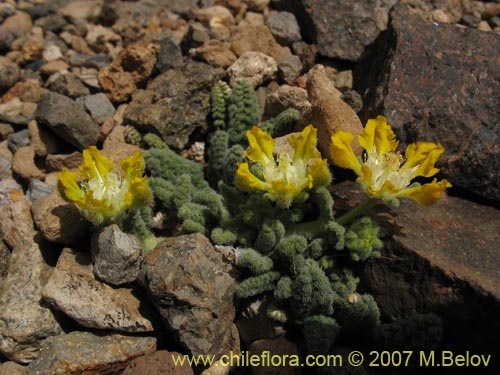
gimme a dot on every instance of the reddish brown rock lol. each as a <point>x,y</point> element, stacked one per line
<point>258,39</point>
<point>24,165</point>
<point>439,83</point>
<point>132,67</point>
<point>215,53</point>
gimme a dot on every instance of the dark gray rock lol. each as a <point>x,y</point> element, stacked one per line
<point>196,35</point>
<point>9,73</point>
<point>68,120</point>
<point>439,83</point>
<point>290,68</point>
<point>24,321</point>
<point>117,256</point>
<point>284,27</point>
<point>176,103</point>
<point>18,139</point>
<point>170,54</point>
<point>342,29</point>
<point>87,353</point>
<point>87,61</point>
<point>187,281</point>
<point>67,84</point>
<point>98,106</point>
<point>53,22</point>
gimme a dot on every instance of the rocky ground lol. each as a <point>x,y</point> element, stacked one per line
<point>81,73</point>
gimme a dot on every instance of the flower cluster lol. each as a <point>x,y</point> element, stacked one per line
<point>285,178</point>
<point>383,172</point>
<point>101,195</point>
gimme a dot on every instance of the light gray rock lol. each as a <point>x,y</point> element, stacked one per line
<point>39,189</point>
<point>286,97</point>
<point>117,256</point>
<point>78,353</point>
<point>290,68</point>
<point>18,139</point>
<point>193,292</point>
<point>68,120</point>
<point>254,67</point>
<point>58,220</point>
<point>284,27</point>
<point>24,321</point>
<point>98,106</point>
<point>73,289</point>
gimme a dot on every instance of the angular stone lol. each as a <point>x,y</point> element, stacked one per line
<point>286,97</point>
<point>16,224</point>
<point>253,67</point>
<point>215,53</point>
<point>13,368</point>
<point>290,68</point>
<point>439,83</point>
<point>98,106</point>
<point>39,189</point>
<point>284,27</point>
<point>58,220</point>
<point>42,141</point>
<point>328,112</point>
<point>187,282</point>
<point>9,73</point>
<point>158,363</point>
<point>78,353</point>
<point>73,289</point>
<point>68,120</point>
<point>117,256</point>
<point>169,54</point>
<point>23,163</point>
<point>176,103</point>
<point>132,67</point>
<point>18,139</point>
<point>342,29</point>
<point>258,39</point>
<point>24,321</point>
<point>67,84</point>
<point>4,261</point>
<point>442,259</point>
<point>60,161</point>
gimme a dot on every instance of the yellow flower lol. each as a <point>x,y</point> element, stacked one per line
<point>285,178</point>
<point>384,172</point>
<point>101,195</point>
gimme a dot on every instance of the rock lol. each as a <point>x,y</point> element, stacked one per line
<point>117,256</point>
<point>4,262</point>
<point>101,39</point>
<point>354,100</point>
<point>343,80</point>
<point>87,353</point>
<point>256,5</point>
<point>215,53</point>
<point>18,139</point>
<point>341,29</point>
<point>290,68</point>
<point>132,67</point>
<point>328,112</point>
<point>5,168</point>
<point>253,67</point>
<point>195,36</point>
<point>284,27</point>
<point>56,162</point>
<point>13,368</point>
<point>176,103</point>
<point>28,90</point>
<point>42,141</point>
<point>277,347</point>
<point>24,321</point>
<point>58,220</point>
<point>55,66</point>
<point>286,97</point>
<point>74,290</point>
<point>98,106</point>
<point>67,84</point>
<point>19,24</point>
<point>68,120</point>
<point>81,10</point>
<point>257,39</point>
<point>431,90</point>
<point>158,363</point>
<point>215,14</point>
<point>199,310</point>
<point>169,54</point>
<point>39,189</point>
<point>116,148</point>
<point>5,131</point>
<point>9,73</point>
<point>16,224</point>
<point>441,259</point>
<point>24,165</point>
<point>307,53</point>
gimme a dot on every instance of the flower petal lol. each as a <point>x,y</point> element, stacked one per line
<point>318,170</point>
<point>133,166</point>
<point>304,144</point>
<point>424,155</point>
<point>138,194</point>
<point>95,165</point>
<point>72,190</point>
<point>342,153</point>
<point>283,193</point>
<point>246,181</point>
<point>261,146</point>
<point>426,194</point>
<point>378,133</point>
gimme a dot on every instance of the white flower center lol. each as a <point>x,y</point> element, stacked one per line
<point>387,167</point>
